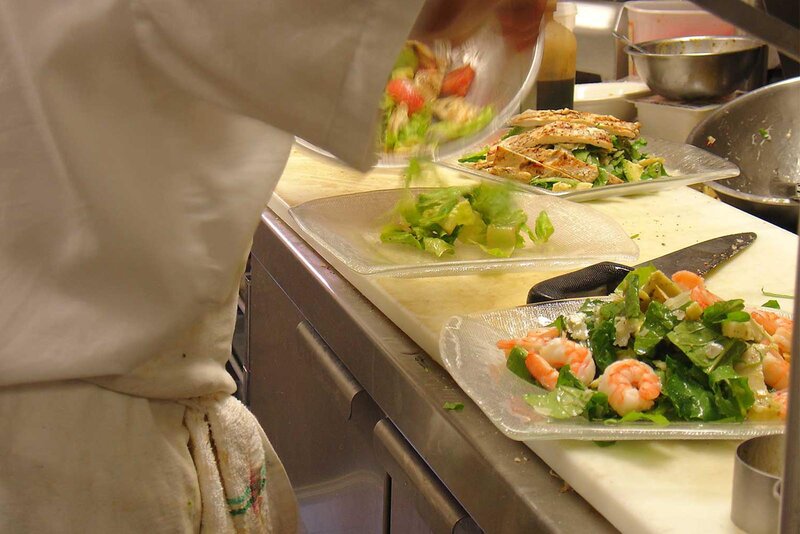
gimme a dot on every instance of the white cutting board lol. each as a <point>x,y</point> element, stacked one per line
<point>639,486</point>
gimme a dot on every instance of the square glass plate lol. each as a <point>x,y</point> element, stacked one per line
<point>349,226</point>
<point>686,165</point>
<point>468,350</point>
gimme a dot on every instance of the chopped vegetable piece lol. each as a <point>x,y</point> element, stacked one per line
<point>483,215</point>
<point>454,406</point>
<point>458,81</point>
<point>403,90</point>
<point>776,295</point>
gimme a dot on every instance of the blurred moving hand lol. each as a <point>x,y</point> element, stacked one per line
<point>457,20</point>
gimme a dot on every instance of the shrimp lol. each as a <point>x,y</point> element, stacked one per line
<point>631,386</point>
<point>555,354</point>
<point>534,341</point>
<point>694,283</point>
<point>776,369</point>
<point>781,399</point>
<point>777,326</point>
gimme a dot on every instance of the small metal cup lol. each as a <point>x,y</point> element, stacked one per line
<point>757,484</point>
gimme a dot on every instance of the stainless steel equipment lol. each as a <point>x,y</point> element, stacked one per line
<point>772,30</point>
<point>599,53</point>
<point>695,68</point>
<point>759,132</point>
<point>756,484</point>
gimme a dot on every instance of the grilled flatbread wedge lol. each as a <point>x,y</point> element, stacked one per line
<point>555,133</point>
<point>533,117</point>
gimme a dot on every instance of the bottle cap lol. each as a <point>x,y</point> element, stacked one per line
<point>565,14</point>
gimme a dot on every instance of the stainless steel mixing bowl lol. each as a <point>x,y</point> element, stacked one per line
<point>696,68</point>
<point>759,132</point>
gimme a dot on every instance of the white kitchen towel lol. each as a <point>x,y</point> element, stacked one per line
<point>243,486</point>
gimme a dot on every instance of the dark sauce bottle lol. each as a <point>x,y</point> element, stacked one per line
<point>555,83</point>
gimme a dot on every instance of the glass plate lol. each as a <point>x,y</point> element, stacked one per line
<point>468,351</point>
<point>686,165</point>
<point>348,226</point>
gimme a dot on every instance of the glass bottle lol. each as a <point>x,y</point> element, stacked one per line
<point>555,83</point>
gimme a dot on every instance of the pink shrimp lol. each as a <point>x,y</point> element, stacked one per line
<point>776,369</point>
<point>631,386</point>
<point>777,326</point>
<point>555,354</point>
<point>533,341</point>
<point>781,398</point>
<point>694,283</point>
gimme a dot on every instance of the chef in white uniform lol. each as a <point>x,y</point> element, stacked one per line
<point>139,142</point>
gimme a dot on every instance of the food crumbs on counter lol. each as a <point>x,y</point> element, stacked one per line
<point>635,236</point>
<point>518,460</point>
<point>454,406</point>
<point>564,488</point>
<point>776,295</point>
<point>710,140</point>
<point>764,134</point>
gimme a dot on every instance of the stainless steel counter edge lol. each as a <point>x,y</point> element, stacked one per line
<point>500,482</point>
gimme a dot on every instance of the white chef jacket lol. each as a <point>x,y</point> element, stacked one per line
<point>139,142</point>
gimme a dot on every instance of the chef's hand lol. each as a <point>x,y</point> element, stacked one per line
<point>457,20</point>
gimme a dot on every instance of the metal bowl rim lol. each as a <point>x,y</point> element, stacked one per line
<point>747,465</point>
<point>756,44</point>
<point>758,199</point>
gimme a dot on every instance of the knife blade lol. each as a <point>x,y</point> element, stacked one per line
<point>602,278</point>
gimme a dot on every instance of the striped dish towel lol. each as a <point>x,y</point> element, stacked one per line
<point>243,486</point>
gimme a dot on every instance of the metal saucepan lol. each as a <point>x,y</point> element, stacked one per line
<point>759,132</point>
<point>696,68</point>
<point>757,484</point>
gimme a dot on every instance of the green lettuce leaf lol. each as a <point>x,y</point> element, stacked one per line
<point>719,311</point>
<point>516,364</point>
<point>601,341</point>
<point>732,394</point>
<point>688,393</point>
<point>658,322</point>
<point>704,346</point>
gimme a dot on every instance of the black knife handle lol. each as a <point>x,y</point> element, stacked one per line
<point>599,279</point>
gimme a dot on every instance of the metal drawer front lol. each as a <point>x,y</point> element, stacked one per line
<point>441,512</point>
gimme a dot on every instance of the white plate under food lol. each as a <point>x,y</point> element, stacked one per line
<point>468,349</point>
<point>686,165</point>
<point>349,226</point>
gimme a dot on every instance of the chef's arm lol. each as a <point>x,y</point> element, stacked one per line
<point>313,68</point>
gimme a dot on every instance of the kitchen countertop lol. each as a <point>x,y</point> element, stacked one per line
<point>629,482</point>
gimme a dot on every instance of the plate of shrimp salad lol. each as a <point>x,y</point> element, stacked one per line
<point>660,358</point>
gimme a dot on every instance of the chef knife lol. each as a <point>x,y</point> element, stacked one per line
<point>602,278</point>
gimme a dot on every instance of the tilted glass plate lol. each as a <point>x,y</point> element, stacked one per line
<point>686,165</point>
<point>349,226</point>
<point>469,352</point>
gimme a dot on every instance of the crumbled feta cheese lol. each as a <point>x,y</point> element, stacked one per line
<point>624,328</point>
<point>576,326</point>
